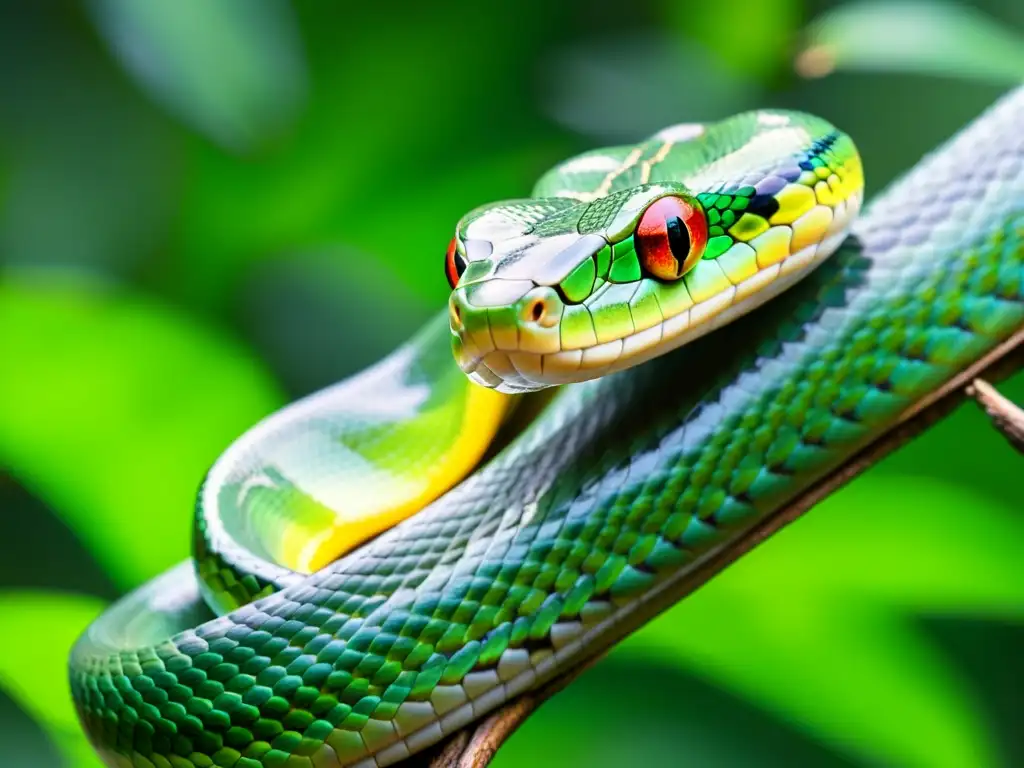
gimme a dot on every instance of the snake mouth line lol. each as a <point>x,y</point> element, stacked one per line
<point>509,368</point>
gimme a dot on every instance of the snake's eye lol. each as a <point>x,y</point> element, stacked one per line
<point>670,237</point>
<point>454,264</point>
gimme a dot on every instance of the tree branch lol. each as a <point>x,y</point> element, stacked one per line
<point>1006,417</point>
<point>476,745</point>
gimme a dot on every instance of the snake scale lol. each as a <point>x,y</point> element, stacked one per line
<point>582,527</point>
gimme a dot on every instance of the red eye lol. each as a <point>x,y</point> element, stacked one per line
<point>670,237</point>
<point>454,264</point>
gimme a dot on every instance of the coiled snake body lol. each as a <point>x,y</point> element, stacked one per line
<point>580,529</point>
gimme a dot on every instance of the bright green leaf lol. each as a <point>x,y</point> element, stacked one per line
<point>112,407</point>
<point>842,668</point>
<point>627,712</point>
<point>927,545</point>
<point>233,69</point>
<point>37,630</point>
<point>922,36</point>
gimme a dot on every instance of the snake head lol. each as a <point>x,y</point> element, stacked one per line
<point>629,252</point>
<point>550,291</point>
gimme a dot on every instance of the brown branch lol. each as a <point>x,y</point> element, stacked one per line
<point>475,745</point>
<point>1006,416</point>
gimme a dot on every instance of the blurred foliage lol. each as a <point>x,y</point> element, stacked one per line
<point>947,39</point>
<point>232,69</point>
<point>202,203</point>
<point>85,461</point>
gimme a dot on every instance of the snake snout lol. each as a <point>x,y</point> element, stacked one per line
<point>501,329</point>
<point>470,327</point>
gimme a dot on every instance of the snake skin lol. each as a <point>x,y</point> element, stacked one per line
<point>585,525</point>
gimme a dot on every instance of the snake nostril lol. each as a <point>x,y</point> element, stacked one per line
<point>537,311</point>
<point>541,309</point>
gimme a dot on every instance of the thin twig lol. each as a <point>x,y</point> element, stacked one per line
<point>475,745</point>
<point>1007,417</point>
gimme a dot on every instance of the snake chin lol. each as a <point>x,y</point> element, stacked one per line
<point>496,370</point>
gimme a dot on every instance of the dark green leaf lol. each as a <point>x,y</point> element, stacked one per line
<point>90,171</point>
<point>37,630</point>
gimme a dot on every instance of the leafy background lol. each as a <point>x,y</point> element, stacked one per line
<point>200,201</point>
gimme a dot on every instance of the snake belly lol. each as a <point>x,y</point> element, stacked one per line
<point>582,529</point>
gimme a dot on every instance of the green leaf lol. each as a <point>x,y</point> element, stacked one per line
<point>932,38</point>
<point>630,712</point>
<point>754,43</point>
<point>37,630</point>
<point>928,545</point>
<point>814,623</point>
<point>232,69</point>
<point>112,407</point>
<point>845,671</point>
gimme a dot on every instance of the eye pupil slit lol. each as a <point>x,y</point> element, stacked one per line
<point>670,237</point>
<point>678,238</point>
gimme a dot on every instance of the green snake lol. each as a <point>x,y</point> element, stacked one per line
<point>582,518</point>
